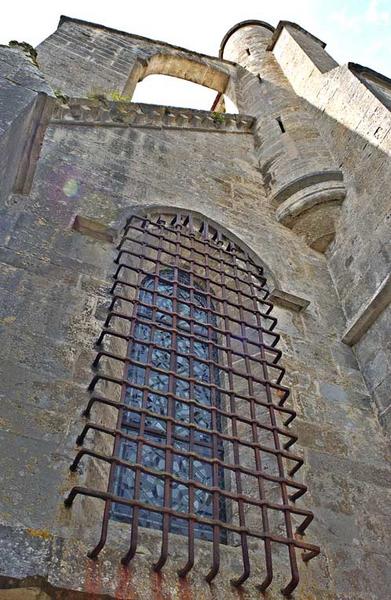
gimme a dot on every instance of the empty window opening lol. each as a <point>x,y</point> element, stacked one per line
<point>171,91</point>
<point>280,124</point>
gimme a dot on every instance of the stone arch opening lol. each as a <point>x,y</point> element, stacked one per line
<point>173,66</point>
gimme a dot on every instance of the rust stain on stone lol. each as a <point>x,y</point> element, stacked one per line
<point>157,582</point>
<point>125,588</point>
<point>184,589</point>
<point>92,579</point>
<point>241,594</point>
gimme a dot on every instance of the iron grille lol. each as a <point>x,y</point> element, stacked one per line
<point>201,441</point>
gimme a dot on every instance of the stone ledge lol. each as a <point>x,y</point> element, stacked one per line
<point>94,229</point>
<point>288,300</point>
<point>368,314</point>
<point>95,113</point>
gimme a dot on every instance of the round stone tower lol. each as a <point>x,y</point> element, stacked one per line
<point>303,181</point>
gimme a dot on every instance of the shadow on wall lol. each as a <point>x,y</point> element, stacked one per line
<point>358,257</point>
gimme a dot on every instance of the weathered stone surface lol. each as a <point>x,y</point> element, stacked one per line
<point>57,256</point>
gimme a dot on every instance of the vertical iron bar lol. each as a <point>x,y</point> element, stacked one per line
<point>138,474</point>
<point>258,461</point>
<point>215,469</point>
<point>284,492</point>
<point>236,453</point>
<point>191,494</point>
<point>170,408</point>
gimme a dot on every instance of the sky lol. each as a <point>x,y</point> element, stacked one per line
<point>354,30</point>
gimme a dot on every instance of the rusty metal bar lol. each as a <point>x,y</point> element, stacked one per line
<point>204,303</point>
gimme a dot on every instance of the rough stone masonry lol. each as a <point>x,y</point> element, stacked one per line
<point>301,178</point>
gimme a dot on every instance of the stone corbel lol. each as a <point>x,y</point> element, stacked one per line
<point>287,300</point>
<point>310,207</point>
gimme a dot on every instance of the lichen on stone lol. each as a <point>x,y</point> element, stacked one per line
<point>27,48</point>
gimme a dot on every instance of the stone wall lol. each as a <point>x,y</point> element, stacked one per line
<point>80,59</point>
<point>54,301</point>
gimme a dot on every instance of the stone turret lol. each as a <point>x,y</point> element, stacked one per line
<point>304,183</point>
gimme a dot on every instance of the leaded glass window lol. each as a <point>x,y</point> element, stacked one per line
<point>171,349</point>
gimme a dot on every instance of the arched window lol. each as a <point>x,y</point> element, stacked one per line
<point>188,363</point>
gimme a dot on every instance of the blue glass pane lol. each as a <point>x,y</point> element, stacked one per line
<point>160,359</point>
<point>201,349</point>
<point>202,472</point>
<point>163,318</point>
<point>157,404</point>
<point>133,396</point>
<point>201,331</point>
<point>182,388</point>
<point>203,418</point>
<point>184,325</point>
<point>182,366</point>
<point>203,503</point>
<point>153,458</point>
<point>158,381</point>
<point>200,316</point>
<point>163,302</point>
<point>138,352</point>
<point>202,394</point>
<point>142,332</point>
<point>124,481</point>
<point>183,293</point>
<point>181,432</point>
<point>184,310</point>
<point>136,374</point>
<point>180,466</point>
<point>163,338</point>
<point>152,489</point>
<point>158,425</point>
<point>180,497</point>
<point>183,344</point>
<point>182,411</point>
<point>201,371</point>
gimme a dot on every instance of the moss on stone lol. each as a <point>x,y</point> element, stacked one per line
<point>27,48</point>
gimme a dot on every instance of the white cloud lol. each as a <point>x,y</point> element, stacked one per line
<point>376,15</point>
